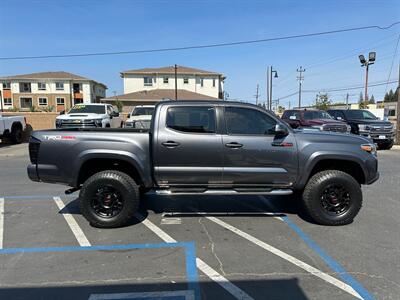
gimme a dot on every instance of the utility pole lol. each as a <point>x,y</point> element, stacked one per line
<point>398,112</point>
<point>176,81</point>
<point>1,101</point>
<point>267,90</point>
<point>300,79</point>
<point>347,101</point>
<point>289,104</point>
<point>257,94</point>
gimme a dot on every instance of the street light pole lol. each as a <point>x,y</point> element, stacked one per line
<point>365,63</point>
<point>300,79</point>
<point>176,81</point>
<point>272,71</point>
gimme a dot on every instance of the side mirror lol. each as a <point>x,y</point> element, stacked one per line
<point>281,130</point>
<point>129,115</point>
<point>62,112</point>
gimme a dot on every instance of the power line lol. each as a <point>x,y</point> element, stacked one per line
<point>348,88</point>
<point>206,45</point>
<point>391,66</point>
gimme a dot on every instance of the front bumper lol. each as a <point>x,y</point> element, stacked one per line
<point>379,137</point>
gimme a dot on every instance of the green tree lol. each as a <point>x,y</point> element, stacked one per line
<point>119,105</point>
<point>361,103</point>
<point>372,100</point>
<point>322,101</point>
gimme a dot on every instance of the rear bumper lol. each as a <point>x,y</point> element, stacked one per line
<point>373,179</point>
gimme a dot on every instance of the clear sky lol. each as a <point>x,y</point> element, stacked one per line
<point>30,28</point>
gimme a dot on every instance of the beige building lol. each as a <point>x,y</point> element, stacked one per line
<point>151,85</point>
<point>151,97</point>
<point>190,79</point>
<point>48,90</point>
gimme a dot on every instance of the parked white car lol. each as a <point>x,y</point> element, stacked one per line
<point>12,127</point>
<point>90,115</point>
<point>140,117</point>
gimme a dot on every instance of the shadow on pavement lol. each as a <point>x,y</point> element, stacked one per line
<point>258,289</point>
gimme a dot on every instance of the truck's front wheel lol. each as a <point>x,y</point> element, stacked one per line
<point>109,199</point>
<point>332,198</point>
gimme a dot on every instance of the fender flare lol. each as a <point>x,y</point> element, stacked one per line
<point>87,155</point>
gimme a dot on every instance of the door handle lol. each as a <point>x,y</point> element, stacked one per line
<point>234,145</point>
<point>170,144</point>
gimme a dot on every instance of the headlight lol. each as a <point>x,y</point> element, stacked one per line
<point>363,127</point>
<point>319,127</point>
<point>98,122</point>
<point>370,148</point>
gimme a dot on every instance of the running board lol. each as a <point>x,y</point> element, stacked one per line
<point>277,192</point>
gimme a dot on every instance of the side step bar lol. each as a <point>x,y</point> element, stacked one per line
<point>277,192</point>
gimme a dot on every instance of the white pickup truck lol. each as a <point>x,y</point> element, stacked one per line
<point>140,117</point>
<point>12,127</point>
<point>90,115</point>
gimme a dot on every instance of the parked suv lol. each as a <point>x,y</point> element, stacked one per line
<point>313,118</point>
<point>365,123</point>
<point>90,115</point>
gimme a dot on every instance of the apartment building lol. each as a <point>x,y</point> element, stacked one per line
<point>189,79</point>
<point>151,85</point>
<point>59,90</point>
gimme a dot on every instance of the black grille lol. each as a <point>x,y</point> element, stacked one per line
<point>77,124</point>
<point>34,146</point>
<point>335,128</point>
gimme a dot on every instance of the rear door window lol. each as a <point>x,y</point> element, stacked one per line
<point>195,119</point>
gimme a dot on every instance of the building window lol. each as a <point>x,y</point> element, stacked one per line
<point>41,86</point>
<point>148,81</point>
<point>60,101</point>
<point>76,87</point>
<point>213,82</point>
<point>25,103</point>
<point>165,80</point>
<point>8,102</point>
<point>24,87</point>
<point>201,82</point>
<point>78,101</point>
<point>42,101</point>
<point>186,80</point>
<point>6,85</point>
<point>59,86</point>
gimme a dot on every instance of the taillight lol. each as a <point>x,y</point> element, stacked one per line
<point>34,146</point>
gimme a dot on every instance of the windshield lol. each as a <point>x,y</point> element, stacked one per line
<point>140,111</point>
<point>310,115</point>
<point>87,109</point>
<point>360,114</point>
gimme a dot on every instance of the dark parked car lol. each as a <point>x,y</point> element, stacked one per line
<point>205,148</point>
<point>365,123</point>
<point>312,118</point>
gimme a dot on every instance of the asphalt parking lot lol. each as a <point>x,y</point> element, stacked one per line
<point>247,247</point>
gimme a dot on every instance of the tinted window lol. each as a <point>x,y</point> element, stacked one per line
<point>360,114</point>
<point>191,119</point>
<point>248,121</point>
<point>81,108</point>
<point>310,115</point>
<point>291,114</point>
<point>140,111</point>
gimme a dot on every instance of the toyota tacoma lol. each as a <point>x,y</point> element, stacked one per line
<point>205,148</point>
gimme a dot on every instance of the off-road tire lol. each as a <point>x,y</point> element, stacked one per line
<point>16,135</point>
<point>126,187</point>
<point>314,189</point>
<point>385,146</point>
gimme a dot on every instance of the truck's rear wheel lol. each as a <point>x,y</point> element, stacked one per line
<point>109,199</point>
<point>332,198</point>
<point>16,135</point>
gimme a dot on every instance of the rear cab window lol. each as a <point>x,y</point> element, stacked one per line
<point>291,115</point>
<point>193,119</point>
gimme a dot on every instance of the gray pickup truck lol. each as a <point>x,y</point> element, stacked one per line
<point>205,148</point>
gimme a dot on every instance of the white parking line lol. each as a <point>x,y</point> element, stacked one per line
<point>314,271</point>
<point>201,265</point>
<point>1,222</point>
<point>76,230</point>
